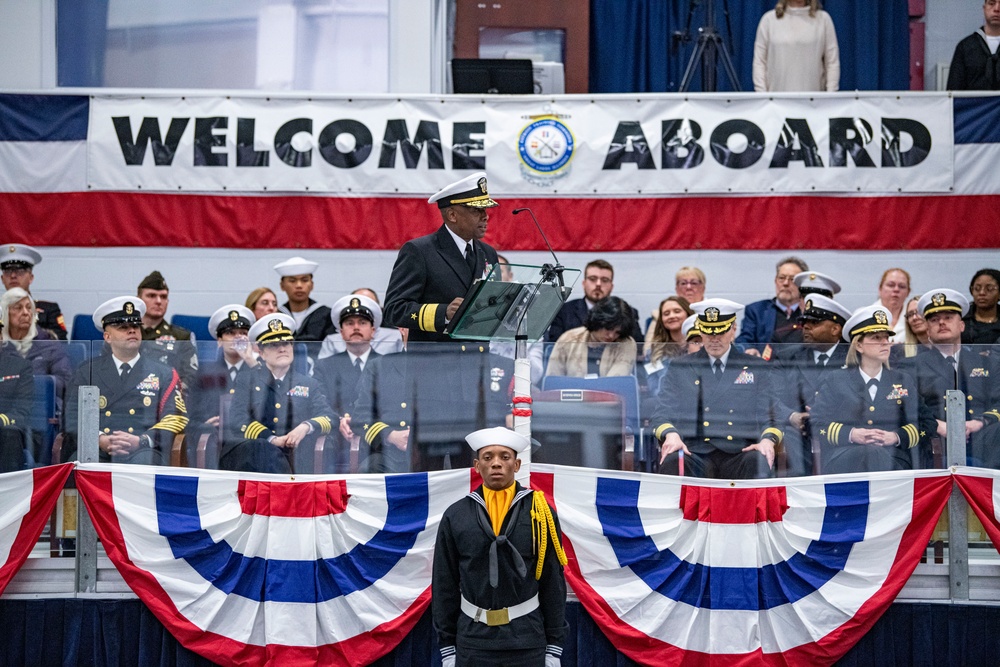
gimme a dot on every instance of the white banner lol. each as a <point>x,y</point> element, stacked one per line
<point>568,146</point>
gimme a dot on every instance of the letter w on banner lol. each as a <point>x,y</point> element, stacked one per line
<point>27,498</point>
<point>252,569</point>
<point>740,573</point>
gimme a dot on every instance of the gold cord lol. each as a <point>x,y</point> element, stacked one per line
<point>542,524</point>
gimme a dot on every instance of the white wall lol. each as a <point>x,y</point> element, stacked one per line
<point>203,279</point>
<point>22,43</point>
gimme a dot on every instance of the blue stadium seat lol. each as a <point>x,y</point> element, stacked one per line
<point>84,329</point>
<point>196,324</point>
<point>78,351</point>
<point>44,418</point>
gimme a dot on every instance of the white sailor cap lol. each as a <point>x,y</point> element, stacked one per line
<point>356,304</point>
<point>869,319</point>
<point>119,310</point>
<point>498,435</point>
<point>689,328</point>
<point>814,282</point>
<point>943,300</point>
<point>230,316</point>
<point>470,191</point>
<point>819,308</point>
<point>18,255</point>
<point>273,328</point>
<point>296,266</point>
<point>716,316</point>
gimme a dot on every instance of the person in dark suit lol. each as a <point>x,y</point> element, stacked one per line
<point>413,410</point>
<point>774,320</point>
<point>357,319</point>
<point>948,364</point>
<point>211,395</point>
<point>275,408</point>
<point>141,406</point>
<point>799,370</point>
<point>17,388</point>
<point>312,320</point>
<point>716,406</point>
<point>17,262</point>
<point>433,273</point>
<point>598,281</point>
<point>866,413</point>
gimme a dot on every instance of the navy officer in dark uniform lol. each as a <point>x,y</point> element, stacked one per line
<point>947,364</point>
<point>275,408</point>
<point>799,371</point>
<point>141,406</point>
<point>498,594</point>
<point>716,406</point>
<point>433,273</point>
<point>17,263</point>
<point>866,413</point>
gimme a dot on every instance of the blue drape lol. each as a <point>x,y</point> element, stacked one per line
<point>125,633</point>
<point>631,49</point>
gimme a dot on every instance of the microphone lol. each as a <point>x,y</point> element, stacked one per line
<point>549,272</point>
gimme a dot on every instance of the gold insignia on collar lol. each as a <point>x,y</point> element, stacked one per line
<point>938,299</point>
<point>881,317</point>
<point>712,314</point>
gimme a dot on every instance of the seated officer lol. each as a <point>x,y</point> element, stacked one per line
<point>229,326</point>
<point>948,364</point>
<point>716,405</point>
<point>172,345</point>
<point>799,372</point>
<point>16,396</point>
<point>141,408</point>
<point>274,407</point>
<point>357,318</point>
<point>17,262</point>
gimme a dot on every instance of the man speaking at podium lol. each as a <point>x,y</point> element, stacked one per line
<point>433,273</point>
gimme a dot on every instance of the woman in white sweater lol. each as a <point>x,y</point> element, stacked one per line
<point>796,49</point>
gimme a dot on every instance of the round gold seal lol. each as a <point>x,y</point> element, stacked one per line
<point>102,402</point>
<point>147,401</point>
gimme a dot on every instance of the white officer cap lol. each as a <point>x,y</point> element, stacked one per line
<point>231,316</point>
<point>120,310</point>
<point>356,304</point>
<point>814,282</point>
<point>273,328</point>
<point>943,300</point>
<point>689,328</point>
<point>869,319</point>
<point>296,266</point>
<point>819,308</point>
<point>470,191</point>
<point>18,255</point>
<point>498,435</point>
<point>716,316</point>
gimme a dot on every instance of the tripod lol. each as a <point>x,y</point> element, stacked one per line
<point>709,49</point>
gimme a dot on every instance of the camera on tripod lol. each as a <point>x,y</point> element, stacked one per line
<point>709,49</point>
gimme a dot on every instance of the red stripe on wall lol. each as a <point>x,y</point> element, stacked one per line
<point>585,225</point>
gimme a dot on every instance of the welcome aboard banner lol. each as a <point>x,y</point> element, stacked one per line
<point>654,145</point>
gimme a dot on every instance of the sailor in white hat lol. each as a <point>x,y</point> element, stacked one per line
<point>498,591</point>
<point>814,282</point>
<point>312,320</point>
<point>17,263</point>
<point>433,273</point>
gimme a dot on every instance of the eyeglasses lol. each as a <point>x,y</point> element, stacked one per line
<point>914,315</point>
<point>688,283</point>
<point>984,289</point>
<point>785,279</point>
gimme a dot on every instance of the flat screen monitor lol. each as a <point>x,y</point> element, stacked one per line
<point>491,76</point>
